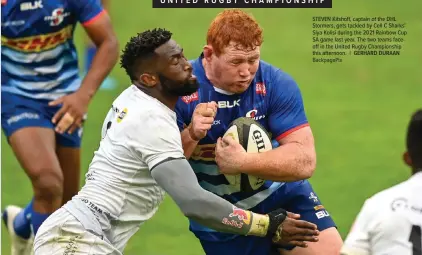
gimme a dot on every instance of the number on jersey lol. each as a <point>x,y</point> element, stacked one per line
<point>416,239</point>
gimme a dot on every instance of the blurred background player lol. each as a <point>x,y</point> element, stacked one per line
<point>90,50</point>
<point>390,222</point>
<point>44,101</point>
<point>231,73</point>
<point>141,154</point>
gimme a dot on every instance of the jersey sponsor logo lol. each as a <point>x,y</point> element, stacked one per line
<point>94,208</point>
<point>260,88</point>
<point>122,115</point>
<point>232,223</point>
<point>241,214</point>
<point>238,218</point>
<point>24,115</point>
<point>402,203</point>
<point>322,214</point>
<point>57,17</point>
<point>313,197</point>
<point>191,98</point>
<point>31,6</point>
<point>254,115</point>
<point>204,152</point>
<point>216,122</point>
<point>318,207</point>
<point>39,43</point>
<point>13,23</point>
<point>228,104</point>
<point>72,244</point>
<point>399,203</point>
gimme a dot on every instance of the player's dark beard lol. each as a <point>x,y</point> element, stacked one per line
<point>178,88</point>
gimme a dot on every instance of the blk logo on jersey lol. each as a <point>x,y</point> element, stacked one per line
<point>57,17</point>
<point>228,104</point>
<point>31,6</point>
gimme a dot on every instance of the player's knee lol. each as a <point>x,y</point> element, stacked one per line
<point>48,184</point>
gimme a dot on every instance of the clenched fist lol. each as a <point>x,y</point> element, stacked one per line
<point>202,120</point>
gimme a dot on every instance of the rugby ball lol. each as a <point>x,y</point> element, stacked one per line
<point>254,139</point>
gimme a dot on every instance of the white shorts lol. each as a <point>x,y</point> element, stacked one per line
<point>63,234</point>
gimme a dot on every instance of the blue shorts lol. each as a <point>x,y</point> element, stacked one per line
<point>19,112</point>
<point>298,197</point>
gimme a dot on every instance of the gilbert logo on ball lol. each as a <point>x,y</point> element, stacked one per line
<point>254,139</point>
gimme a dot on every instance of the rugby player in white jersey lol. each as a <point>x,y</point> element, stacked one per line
<point>390,222</point>
<point>141,156</point>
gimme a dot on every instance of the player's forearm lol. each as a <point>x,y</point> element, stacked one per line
<point>289,162</point>
<point>218,214</point>
<point>102,64</point>
<point>178,180</point>
<point>188,143</point>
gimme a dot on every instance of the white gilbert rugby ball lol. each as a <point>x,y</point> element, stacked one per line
<point>255,139</point>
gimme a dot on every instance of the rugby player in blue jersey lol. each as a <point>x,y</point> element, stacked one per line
<point>44,101</point>
<point>234,79</point>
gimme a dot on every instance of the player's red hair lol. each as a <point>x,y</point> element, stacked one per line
<point>234,26</point>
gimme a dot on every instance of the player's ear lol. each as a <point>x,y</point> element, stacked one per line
<point>407,159</point>
<point>148,80</point>
<point>208,51</point>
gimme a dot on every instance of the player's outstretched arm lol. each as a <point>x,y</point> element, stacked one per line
<point>177,178</point>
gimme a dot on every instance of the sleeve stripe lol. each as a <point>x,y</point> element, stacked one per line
<point>95,18</point>
<point>164,161</point>
<point>288,132</point>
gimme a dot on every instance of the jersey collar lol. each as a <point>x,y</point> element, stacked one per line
<point>199,69</point>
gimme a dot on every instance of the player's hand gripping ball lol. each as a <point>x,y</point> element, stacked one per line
<point>252,138</point>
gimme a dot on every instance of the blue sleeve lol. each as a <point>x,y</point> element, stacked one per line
<point>87,10</point>
<point>180,114</point>
<point>286,110</point>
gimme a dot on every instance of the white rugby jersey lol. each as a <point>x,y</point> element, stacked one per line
<point>390,222</point>
<point>138,133</point>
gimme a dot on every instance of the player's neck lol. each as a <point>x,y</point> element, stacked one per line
<point>168,100</point>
